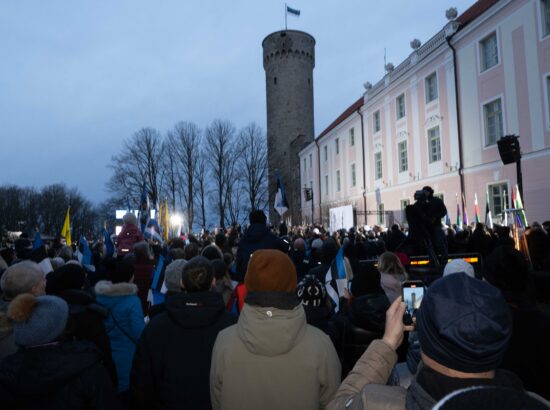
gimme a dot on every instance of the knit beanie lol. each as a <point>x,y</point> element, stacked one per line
<point>271,279</point>
<point>69,276</point>
<point>311,291</point>
<point>38,319</point>
<point>464,324</point>
<point>459,265</point>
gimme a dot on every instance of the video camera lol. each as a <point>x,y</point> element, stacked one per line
<point>421,195</point>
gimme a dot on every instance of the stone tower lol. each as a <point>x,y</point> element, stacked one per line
<point>289,58</point>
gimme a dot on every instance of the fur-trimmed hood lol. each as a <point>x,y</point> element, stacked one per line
<point>108,288</point>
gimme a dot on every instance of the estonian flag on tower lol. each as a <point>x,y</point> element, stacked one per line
<point>281,205</point>
<point>292,11</point>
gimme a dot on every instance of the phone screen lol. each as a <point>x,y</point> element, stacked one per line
<point>413,292</point>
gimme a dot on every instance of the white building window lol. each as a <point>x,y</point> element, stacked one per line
<point>310,160</point>
<point>431,87</point>
<point>353,177</point>
<point>326,184</point>
<point>352,137</point>
<point>545,14</point>
<point>305,162</point>
<point>404,204</point>
<point>498,200</point>
<point>338,187</point>
<point>489,51</point>
<point>325,148</point>
<point>403,158</point>
<point>378,165</point>
<point>400,106</point>
<point>376,121</point>
<point>434,144</point>
<point>548,97</point>
<point>492,115</point>
<point>337,144</point>
<point>380,217</point>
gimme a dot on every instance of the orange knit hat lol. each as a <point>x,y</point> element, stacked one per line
<point>270,270</point>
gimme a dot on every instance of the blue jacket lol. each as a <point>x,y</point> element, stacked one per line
<point>124,324</point>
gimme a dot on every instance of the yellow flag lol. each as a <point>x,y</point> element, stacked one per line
<point>66,230</point>
<point>165,220</point>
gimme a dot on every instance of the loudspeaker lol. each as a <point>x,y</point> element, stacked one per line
<point>508,148</point>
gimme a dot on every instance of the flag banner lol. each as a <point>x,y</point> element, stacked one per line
<point>155,295</point>
<point>166,221</point>
<point>464,211</point>
<point>37,241</point>
<point>109,246</point>
<point>144,209</point>
<point>458,217</point>
<point>40,256</point>
<point>291,11</point>
<point>476,209</point>
<point>518,204</point>
<point>152,231</point>
<point>66,230</point>
<point>86,255</point>
<point>281,204</point>
<point>488,216</point>
<point>335,278</point>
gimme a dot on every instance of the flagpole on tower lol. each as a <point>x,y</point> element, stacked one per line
<point>286,18</point>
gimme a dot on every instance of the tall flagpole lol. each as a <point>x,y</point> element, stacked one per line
<point>286,29</point>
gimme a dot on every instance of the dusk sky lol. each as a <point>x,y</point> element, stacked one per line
<point>79,77</point>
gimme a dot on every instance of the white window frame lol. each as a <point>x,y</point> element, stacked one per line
<point>491,197</point>
<point>353,175</point>
<point>486,144</point>
<point>376,124</point>
<point>430,98</point>
<point>378,174</point>
<point>380,216</point>
<point>325,148</point>
<point>482,66</point>
<point>398,116</point>
<point>326,184</point>
<point>400,144</point>
<point>352,136</point>
<point>311,160</point>
<point>544,18</point>
<point>337,145</point>
<point>338,181</point>
<point>431,159</point>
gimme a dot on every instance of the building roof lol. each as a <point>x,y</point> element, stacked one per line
<point>342,117</point>
<point>473,12</point>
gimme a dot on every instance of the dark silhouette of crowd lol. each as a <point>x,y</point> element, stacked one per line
<point>253,317</point>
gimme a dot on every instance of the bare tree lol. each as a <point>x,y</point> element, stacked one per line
<point>171,176</point>
<point>201,187</point>
<point>137,165</point>
<point>220,149</point>
<point>252,165</point>
<point>185,140</point>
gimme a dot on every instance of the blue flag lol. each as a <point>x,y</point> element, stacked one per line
<point>109,246</point>
<point>281,204</point>
<point>37,243</point>
<point>335,278</point>
<point>86,252</point>
<point>155,293</point>
<point>294,12</point>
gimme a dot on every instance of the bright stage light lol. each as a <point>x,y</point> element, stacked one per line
<point>176,220</point>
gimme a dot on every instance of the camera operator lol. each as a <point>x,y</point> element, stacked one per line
<point>428,212</point>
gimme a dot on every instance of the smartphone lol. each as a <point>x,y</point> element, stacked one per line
<point>413,293</point>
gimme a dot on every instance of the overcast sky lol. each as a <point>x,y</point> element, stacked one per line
<point>79,77</point>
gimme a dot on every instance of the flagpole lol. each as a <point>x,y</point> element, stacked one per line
<point>286,28</point>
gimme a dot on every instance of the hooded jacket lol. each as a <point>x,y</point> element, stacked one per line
<point>124,324</point>
<point>60,376</point>
<point>172,363</point>
<point>271,359</point>
<point>127,238</point>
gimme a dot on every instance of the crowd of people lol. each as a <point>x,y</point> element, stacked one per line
<point>247,319</point>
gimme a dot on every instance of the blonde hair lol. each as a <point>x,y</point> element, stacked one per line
<point>389,263</point>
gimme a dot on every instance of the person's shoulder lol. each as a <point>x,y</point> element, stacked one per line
<point>315,337</point>
<point>227,335</point>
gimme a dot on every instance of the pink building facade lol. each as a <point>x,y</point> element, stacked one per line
<point>435,120</point>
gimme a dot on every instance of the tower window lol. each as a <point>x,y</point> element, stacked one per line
<point>275,80</point>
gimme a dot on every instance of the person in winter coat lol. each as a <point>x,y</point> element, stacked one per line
<point>272,359</point>
<point>172,363</point>
<point>124,322</point>
<point>143,272</point>
<point>128,236</point>
<point>48,372</point>
<point>257,236</point>
<point>85,315</point>
<point>464,327</point>
<point>23,277</point>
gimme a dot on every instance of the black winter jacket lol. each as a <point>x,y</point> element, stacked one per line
<point>257,236</point>
<point>62,376</point>
<point>171,367</point>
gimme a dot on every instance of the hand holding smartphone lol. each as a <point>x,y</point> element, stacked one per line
<point>413,292</point>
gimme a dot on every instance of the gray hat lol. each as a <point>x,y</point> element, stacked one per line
<point>38,320</point>
<point>172,276</point>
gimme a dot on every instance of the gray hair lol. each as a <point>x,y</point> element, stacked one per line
<point>57,262</point>
<point>66,253</point>
<point>20,278</point>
